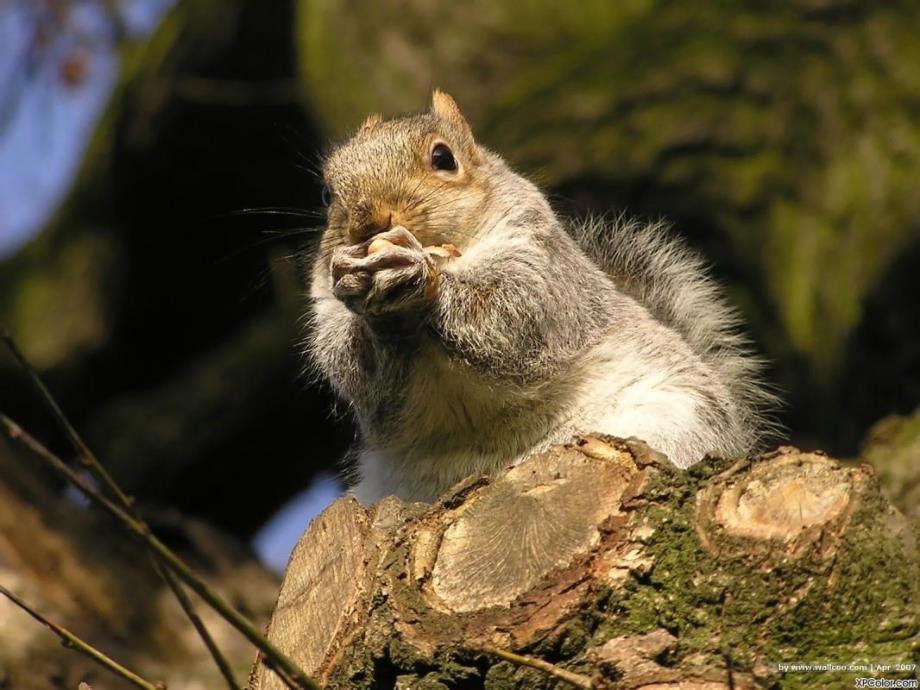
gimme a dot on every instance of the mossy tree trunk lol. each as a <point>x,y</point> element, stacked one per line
<point>606,562</point>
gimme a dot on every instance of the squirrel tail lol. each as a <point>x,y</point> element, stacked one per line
<point>670,280</point>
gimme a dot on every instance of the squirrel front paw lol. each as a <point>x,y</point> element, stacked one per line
<point>395,275</point>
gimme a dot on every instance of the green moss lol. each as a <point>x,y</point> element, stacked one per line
<point>506,676</point>
<point>501,677</point>
<point>762,605</point>
<point>413,682</point>
<point>406,657</point>
<point>459,675</point>
<point>892,447</point>
<point>62,307</point>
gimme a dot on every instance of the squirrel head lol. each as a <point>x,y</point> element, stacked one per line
<point>424,172</point>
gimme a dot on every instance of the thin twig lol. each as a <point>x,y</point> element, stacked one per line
<point>141,530</point>
<point>91,463</point>
<point>87,459</point>
<point>186,603</point>
<point>575,679</point>
<point>75,643</point>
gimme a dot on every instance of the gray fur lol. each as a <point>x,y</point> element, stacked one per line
<point>527,339</point>
<point>660,272</point>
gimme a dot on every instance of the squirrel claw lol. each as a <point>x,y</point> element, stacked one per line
<point>395,273</point>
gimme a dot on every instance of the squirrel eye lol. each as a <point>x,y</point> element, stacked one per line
<point>326,196</point>
<point>442,158</point>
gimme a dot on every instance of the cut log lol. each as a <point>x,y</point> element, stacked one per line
<point>602,560</point>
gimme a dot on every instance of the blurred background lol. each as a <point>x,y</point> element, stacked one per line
<point>158,197</point>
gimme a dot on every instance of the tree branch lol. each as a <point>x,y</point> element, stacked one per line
<point>575,679</point>
<point>167,561</point>
<point>91,463</point>
<point>281,663</point>
<point>73,642</point>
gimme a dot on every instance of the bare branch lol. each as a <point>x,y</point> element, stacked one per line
<point>85,454</point>
<point>287,669</point>
<point>575,679</point>
<point>73,642</point>
<point>91,463</point>
<point>219,660</point>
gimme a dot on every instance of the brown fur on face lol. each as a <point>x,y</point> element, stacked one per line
<point>383,178</point>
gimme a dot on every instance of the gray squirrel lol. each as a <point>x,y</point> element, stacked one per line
<point>467,326</point>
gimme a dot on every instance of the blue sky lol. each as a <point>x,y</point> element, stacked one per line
<point>48,122</point>
<point>274,542</point>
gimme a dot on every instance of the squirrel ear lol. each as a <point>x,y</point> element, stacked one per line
<point>370,121</point>
<point>446,108</point>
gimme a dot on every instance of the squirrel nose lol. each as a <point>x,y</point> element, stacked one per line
<point>370,225</point>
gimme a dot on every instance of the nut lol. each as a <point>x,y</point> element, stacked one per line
<point>445,251</point>
<point>379,245</point>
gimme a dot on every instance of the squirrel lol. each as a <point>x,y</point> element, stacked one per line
<point>468,326</point>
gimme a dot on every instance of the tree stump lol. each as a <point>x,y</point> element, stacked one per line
<point>601,560</point>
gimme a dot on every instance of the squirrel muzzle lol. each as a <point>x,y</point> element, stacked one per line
<point>369,222</point>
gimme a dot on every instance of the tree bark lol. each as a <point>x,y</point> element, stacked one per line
<point>892,447</point>
<point>602,560</point>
